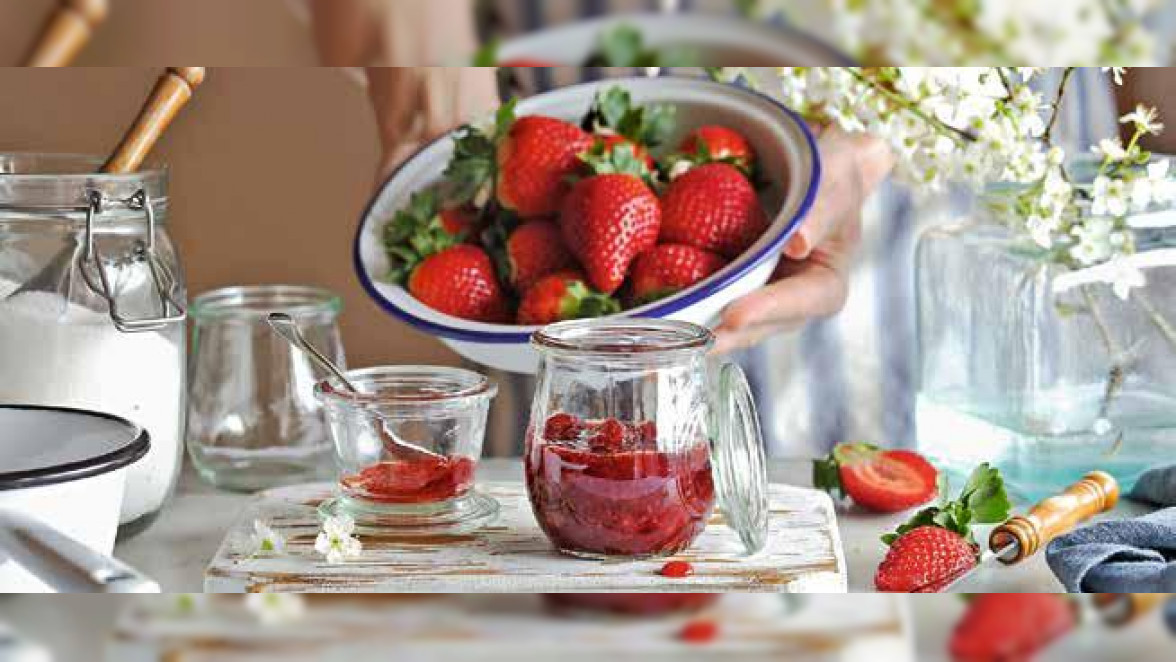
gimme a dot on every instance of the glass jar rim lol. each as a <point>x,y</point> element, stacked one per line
<point>623,337</point>
<point>61,183</point>
<point>255,302</point>
<point>407,387</point>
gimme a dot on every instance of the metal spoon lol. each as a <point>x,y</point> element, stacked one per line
<point>285,326</point>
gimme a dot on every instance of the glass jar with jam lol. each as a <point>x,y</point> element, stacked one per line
<point>632,440</point>
<point>407,441</point>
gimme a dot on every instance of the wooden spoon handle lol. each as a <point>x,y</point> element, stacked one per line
<point>1096,493</point>
<point>171,93</point>
<point>67,30</point>
<point>1123,608</point>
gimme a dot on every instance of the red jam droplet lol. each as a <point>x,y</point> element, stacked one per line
<point>418,480</point>
<point>611,492</point>
<point>699,632</point>
<point>677,569</point>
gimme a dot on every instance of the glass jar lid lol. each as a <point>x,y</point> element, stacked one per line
<point>740,471</point>
<point>624,340</point>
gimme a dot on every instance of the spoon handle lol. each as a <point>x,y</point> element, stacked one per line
<point>67,30</point>
<point>1096,493</point>
<point>171,93</point>
<point>286,327</point>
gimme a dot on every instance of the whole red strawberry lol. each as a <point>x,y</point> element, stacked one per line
<point>460,281</point>
<point>884,481</point>
<point>1010,627</point>
<point>669,268</point>
<point>713,207</point>
<point>607,221</point>
<point>924,560</point>
<point>563,296</point>
<point>718,143</point>
<point>422,228</point>
<point>534,250</point>
<point>535,159</point>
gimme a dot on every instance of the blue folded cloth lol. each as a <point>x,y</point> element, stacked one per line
<point>1125,556</point>
<point>1157,487</point>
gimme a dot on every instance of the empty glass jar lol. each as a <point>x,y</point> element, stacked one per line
<point>407,446</point>
<point>630,445</point>
<point>253,420</point>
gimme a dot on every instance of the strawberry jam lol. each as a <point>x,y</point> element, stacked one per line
<point>638,604</point>
<point>423,479</point>
<point>602,488</point>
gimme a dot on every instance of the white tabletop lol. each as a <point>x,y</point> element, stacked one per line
<point>175,550</point>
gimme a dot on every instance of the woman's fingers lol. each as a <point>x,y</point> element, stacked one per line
<point>853,166</point>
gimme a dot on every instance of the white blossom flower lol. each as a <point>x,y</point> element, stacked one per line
<point>335,540</point>
<point>1116,73</point>
<point>276,608</point>
<point>182,605</point>
<point>1144,119</point>
<point>1110,149</point>
<point>1110,197</point>
<point>265,541</point>
<point>1094,241</point>
<point>1124,277</point>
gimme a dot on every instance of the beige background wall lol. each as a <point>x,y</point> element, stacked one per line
<point>271,167</point>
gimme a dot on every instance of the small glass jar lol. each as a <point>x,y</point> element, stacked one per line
<point>630,446</point>
<point>253,420</point>
<point>407,447</point>
<point>92,306</point>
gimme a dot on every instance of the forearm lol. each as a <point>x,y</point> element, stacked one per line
<point>394,32</point>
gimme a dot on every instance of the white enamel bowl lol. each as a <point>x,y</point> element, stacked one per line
<point>62,474</point>
<point>788,160</point>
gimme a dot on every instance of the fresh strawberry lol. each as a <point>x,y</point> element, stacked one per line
<point>561,296</point>
<point>534,163</point>
<point>528,158</point>
<point>669,268</point>
<point>717,143</point>
<point>607,221</point>
<point>1010,627</point>
<point>715,208</point>
<point>884,481</point>
<point>610,142</point>
<point>534,250</point>
<point>936,546</point>
<point>422,229</point>
<point>925,560</point>
<point>460,281</point>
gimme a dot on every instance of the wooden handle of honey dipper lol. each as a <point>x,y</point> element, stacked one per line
<point>68,29</point>
<point>171,93</point>
<point>1096,493</point>
<point>1123,608</point>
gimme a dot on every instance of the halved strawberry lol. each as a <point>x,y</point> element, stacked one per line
<point>1010,627</point>
<point>534,250</point>
<point>925,560</point>
<point>713,207</point>
<point>885,481</point>
<point>669,268</point>
<point>563,296</point>
<point>718,143</point>
<point>460,281</point>
<point>607,221</point>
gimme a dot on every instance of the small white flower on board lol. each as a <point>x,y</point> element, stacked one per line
<point>336,542</point>
<point>276,608</point>
<point>265,541</point>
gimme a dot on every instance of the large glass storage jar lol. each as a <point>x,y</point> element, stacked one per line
<point>1042,368</point>
<point>92,305</point>
<point>630,445</point>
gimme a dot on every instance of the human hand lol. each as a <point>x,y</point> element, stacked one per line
<point>394,33</point>
<point>416,105</point>
<point>812,280</point>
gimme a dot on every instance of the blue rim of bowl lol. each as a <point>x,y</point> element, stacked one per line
<point>665,308</point>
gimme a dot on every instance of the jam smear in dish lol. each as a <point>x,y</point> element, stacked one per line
<point>423,479</point>
<point>639,604</point>
<point>603,488</point>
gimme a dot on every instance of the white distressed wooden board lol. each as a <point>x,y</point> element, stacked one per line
<point>818,628</point>
<point>804,554</point>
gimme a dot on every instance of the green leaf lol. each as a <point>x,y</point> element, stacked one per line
<point>415,233</point>
<point>582,302</point>
<point>985,496</point>
<point>827,475</point>
<point>487,55</point>
<point>621,46</point>
<point>620,160</point>
<point>649,126</point>
<point>474,164</point>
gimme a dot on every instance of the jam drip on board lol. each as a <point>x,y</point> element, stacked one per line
<point>602,488</point>
<point>637,604</point>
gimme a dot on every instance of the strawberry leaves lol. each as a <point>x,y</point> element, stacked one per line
<point>982,501</point>
<point>415,233</point>
<point>617,160</point>
<point>474,164</point>
<point>649,125</point>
